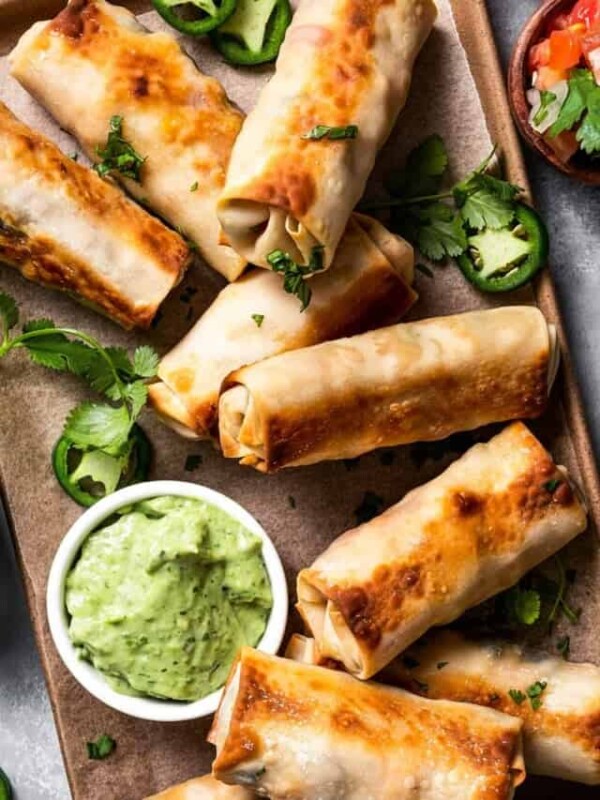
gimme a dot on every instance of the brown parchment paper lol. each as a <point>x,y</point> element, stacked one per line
<point>34,402</point>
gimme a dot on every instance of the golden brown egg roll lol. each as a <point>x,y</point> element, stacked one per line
<point>413,382</point>
<point>252,319</point>
<point>64,227</point>
<point>343,63</point>
<point>561,737</point>
<point>95,61</point>
<point>205,788</point>
<point>450,544</point>
<point>287,730</point>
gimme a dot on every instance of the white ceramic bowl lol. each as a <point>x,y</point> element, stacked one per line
<point>87,675</point>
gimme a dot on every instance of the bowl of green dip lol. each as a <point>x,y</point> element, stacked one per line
<point>153,591</point>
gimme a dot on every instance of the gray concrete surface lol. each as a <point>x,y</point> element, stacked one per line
<point>28,745</point>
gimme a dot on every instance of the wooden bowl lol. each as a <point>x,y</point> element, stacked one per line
<point>579,167</point>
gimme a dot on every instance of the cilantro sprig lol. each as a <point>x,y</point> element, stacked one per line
<point>533,693</point>
<point>294,274</point>
<point>421,211</point>
<point>581,107</point>
<point>109,371</point>
<point>119,155</point>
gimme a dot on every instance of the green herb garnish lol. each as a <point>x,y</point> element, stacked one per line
<point>118,155</point>
<point>552,486</point>
<point>563,645</point>
<point>534,693</point>
<point>192,462</point>
<point>294,274</point>
<point>6,792</point>
<point>526,605</point>
<point>258,319</point>
<point>333,133</point>
<point>581,106</point>
<point>517,696</point>
<point>194,187</point>
<point>101,748</point>
<point>371,506</point>
<point>105,427</point>
<point>546,100</point>
<point>438,228</point>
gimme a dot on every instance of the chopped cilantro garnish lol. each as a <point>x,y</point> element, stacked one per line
<point>333,133</point>
<point>101,748</point>
<point>563,645</point>
<point>258,319</point>
<point>192,462</point>
<point>119,155</point>
<point>294,274</point>
<point>517,696</point>
<point>370,507</point>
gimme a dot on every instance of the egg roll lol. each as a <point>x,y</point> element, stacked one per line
<point>287,730</point>
<point>343,63</point>
<point>369,286</point>
<point>414,382</point>
<point>450,544</point>
<point>205,788</point>
<point>561,737</point>
<point>95,61</point>
<point>64,227</point>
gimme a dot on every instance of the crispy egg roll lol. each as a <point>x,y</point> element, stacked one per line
<point>368,287</point>
<point>420,381</point>
<point>450,544</point>
<point>205,788</point>
<point>95,61</point>
<point>561,738</point>
<point>287,730</point>
<point>343,62</point>
<point>64,227</point>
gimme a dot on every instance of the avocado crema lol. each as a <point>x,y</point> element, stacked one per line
<point>162,597</point>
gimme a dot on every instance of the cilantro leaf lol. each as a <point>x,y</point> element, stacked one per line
<point>333,133</point>
<point>371,506</point>
<point>258,319</point>
<point>526,605</point>
<point>92,425</point>
<point>439,232</point>
<point>192,462</point>
<point>534,693</point>
<point>118,155</point>
<point>294,274</point>
<point>55,351</point>
<point>9,313</point>
<point>588,134</point>
<point>145,362</point>
<point>101,748</point>
<point>563,645</point>
<point>425,168</point>
<point>546,100</point>
<point>135,394</point>
<point>517,696</point>
<point>581,82</point>
<point>484,208</point>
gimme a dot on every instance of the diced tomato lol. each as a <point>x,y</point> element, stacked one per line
<point>548,77</point>
<point>565,49</point>
<point>586,11</point>
<point>539,55</point>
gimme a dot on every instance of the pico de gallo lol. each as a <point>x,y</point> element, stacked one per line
<point>565,82</point>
